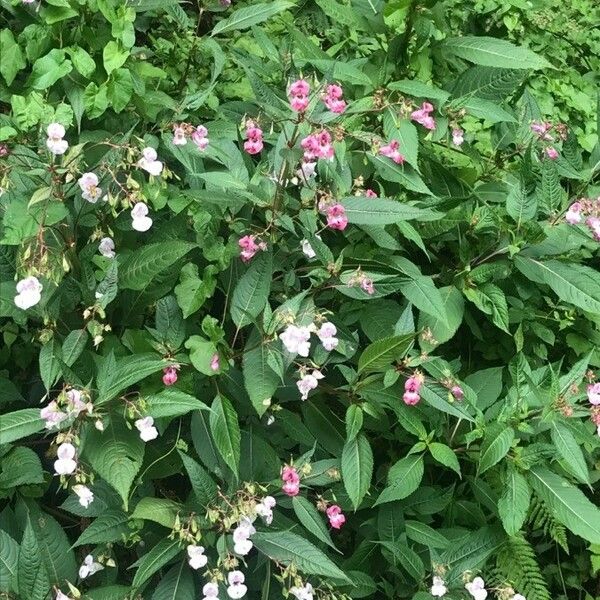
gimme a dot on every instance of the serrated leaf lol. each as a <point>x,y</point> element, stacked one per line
<point>520,205</point>
<point>426,535</point>
<point>380,354</point>
<point>20,424</point>
<point>252,291</point>
<point>9,557</point>
<point>421,291</point>
<point>445,455</point>
<point>205,489</point>
<point>569,450</point>
<point>225,430</point>
<point>407,558</point>
<point>381,211</point>
<point>357,468</point>
<point>245,17</point>
<point>110,526</point>
<point>177,584</point>
<point>436,395</point>
<point>310,517</point>
<point>260,380</point>
<point>32,578</point>
<point>159,510</point>
<point>403,479</point>
<point>156,558</point>
<point>171,402</point>
<point>495,447</point>
<point>405,175</point>
<point>73,346</point>
<point>514,502</point>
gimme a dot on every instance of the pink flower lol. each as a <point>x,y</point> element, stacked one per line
<point>391,150</point>
<point>52,415</point>
<point>317,145</point>
<point>412,386</point>
<point>551,152</point>
<point>594,224</point>
<point>411,398</point>
<point>214,362</point>
<point>199,137</point>
<point>309,382</point>
<point>291,479</point>
<point>370,193</point>
<point>249,247</point>
<point>366,284</point>
<point>457,392</point>
<point>298,94</point>
<point>593,393</point>
<point>336,217</point>
<point>179,138</point>
<point>573,215</point>
<point>254,141</point>
<point>169,375</point>
<point>541,129</point>
<point>336,516</point>
<point>296,340</point>
<point>423,117</point>
<point>458,136</point>
<point>326,334</point>
<point>333,99</point>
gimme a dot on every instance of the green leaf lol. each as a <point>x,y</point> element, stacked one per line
<point>142,266</point>
<point>114,56</point>
<point>32,577</point>
<point>20,424</point>
<point>49,363</point>
<point>407,558</point>
<point>357,468</point>
<point>21,466</point>
<point>380,211</point>
<point>82,61</point>
<point>171,402</point>
<point>11,57</point>
<point>520,205</point>
<point>116,454</point>
<point>225,430</point>
<point>380,354</point>
<point>109,527</point>
<point>571,282</point>
<point>567,504</point>
<point>569,450</point>
<point>48,69</point>
<point>405,175</point>
<point>513,505</point>
<point>177,584</point>
<point>155,559</point>
<point>310,517</point>
<point>421,291</point>
<point>403,479</point>
<point>418,89</point>
<point>119,89</point>
<point>193,291</point>
<point>73,346</point>
<point>490,299</point>
<point>252,291</point>
<point>9,557</point>
<point>484,109</point>
<point>443,329</point>
<point>288,548</point>
<point>489,83</point>
<point>494,52</point>
<point>495,446</point>
<point>159,510</point>
<point>245,17</point>
<point>260,380</point>
<point>436,395</point>
<point>109,592</point>
<point>205,489</point>
<point>354,421</point>
<point>425,535</point>
<point>445,456</point>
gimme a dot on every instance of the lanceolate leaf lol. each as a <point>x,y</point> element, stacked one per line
<point>9,554</point>
<point>403,479</point>
<point>357,468</point>
<point>245,17</point>
<point>310,517</point>
<point>225,430</point>
<point>252,290</point>
<point>378,355</point>
<point>514,502</point>
<point>20,424</point>
<point>569,451</point>
<point>155,559</point>
<point>496,445</point>
<point>381,211</point>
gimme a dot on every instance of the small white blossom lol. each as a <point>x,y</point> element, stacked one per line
<point>149,162</point>
<point>29,292</point>
<point>52,415</point>
<point>146,428</point>
<point>140,220</point>
<point>308,249</point>
<point>106,247</point>
<point>85,495</point>
<point>196,557</point>
<point>55,142</point>
<point>326,334</point>
<point>477,588</point>
<point>88,184</point>
<point>309,382</point>
<point>438,588</point>
<point>65,464</point>
<point>302,593</point>
<point>210,591</point>
<point>236,588</point>
<point>89,567</point>
<point>296,340</point>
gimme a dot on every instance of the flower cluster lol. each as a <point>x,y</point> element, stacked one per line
<point>423,116</point>
<point>249,247</point>
<point>549,133</point>
<point>333,98</point>
<point>298,95</point>
<point>412,386</point>
<point>586,210</point>
<point>291,481</point>
<point>55,142</point>
<point>477,588</point>
<point>254,138</point>
<point>198,134</point>
<point>317,145</point>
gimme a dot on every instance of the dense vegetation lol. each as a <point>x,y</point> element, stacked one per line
<point>299,299</point>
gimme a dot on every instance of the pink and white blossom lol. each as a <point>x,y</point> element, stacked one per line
<point>89,567</point>
<point>88,183</point>
<point>458,136</point>
<point>106,247</point>
<point>179,138</point>
<point>593,393</point>
<point>573,215</point>
<point>65,463</point>
<point>423,116</point>
<point>210,591</point>
<point>146,428</point>
<point>336,516</point>
<point>296,340</point>
<point>29,292</point>
<point>149,162</point>
<point>84,494</point>
<point>236,588</point>
<point>55,142</point>
<point>249,247</point>
<point>477,589</point>
<point>392,150</point>
<point>200,137</point>
<point>298,95</point>
<point>333,98</point>
<point>53,415</point>
<point>169,375</point>
<point>140,221</point>
<point>309,382</point>
<point>336,217</point>
<point>326,334</point>
<point>438,588</point>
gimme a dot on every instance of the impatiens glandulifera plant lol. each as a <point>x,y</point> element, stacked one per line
<point>298,300</point>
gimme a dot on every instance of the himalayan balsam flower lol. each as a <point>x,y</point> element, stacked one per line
<point>75,404</point>
<point>366,284</point>
<point>200,137</point>
<point>196,557</point>
<point>169,375</point>
<point>594,224</point>
<point>298,94</point>
<point>458,136</point>
<point>336,516</point>
<point>291,481</point>
<point>593,393</point>
<point>326,334</point>
<point>241,537</point>
<point>106,247</point>
<point>307,171</point>
<point>457,392</point>
<point>249,247</point>
<point>308,382</point>
<point>214,362</point>
<point>88,183</point>
<point>210,591</point>
<point>264,509</point>
<point>307,249</point>
<point>333,99</point>
<point>542,129</point>
<point>254,138</point>
<point>392,151</point>
<point>52,415</point>
<point>296,340</point>
<point>149,162</point>
<point>89,567</point>
<point>302,593</point>
<point>65,464</point>
<point>236,588</point>
<point>370,194</point>
<point>423,116</point>
<point>336,217</point>
<point>411,389</point>
<point>55,142</point>
<point>438,589</point>
<point>84,494</point>
<point>29,292</point>
<point>317,145</point>
<point>551,152</point>
<point>140,221</point>
<point>518,597</point>
<point>477,589</point>
<point>179,138</point>
<point>146,428</point>
<point>573,215</point>
<point>61,596</point>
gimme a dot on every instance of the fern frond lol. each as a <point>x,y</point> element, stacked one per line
<point>541,518</point>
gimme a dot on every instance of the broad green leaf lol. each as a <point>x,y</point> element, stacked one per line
<point>405,175</point>
<point>484,109</point>
<point>357,468</point>
<point>288,548</point>
<point>418,89</point>
<point>245,17</point>
<point>490,299</point>
<point>116,454</point>
<point>109,592</point>
<point>20,424</point>
<point>205,489</point>
<point>514,502</point>
<point>494,52</point>
<point>9,556</point>
<point>380,354</point>
<point>11,57</point>
<point>407,558</point>
<point>421,291</point>
<point>32,578</point>
<point>109,527</point>
<point>489,83</point>
<point>159,510</point>
<point>444,455</point>
<point>73,346</point>
<point>426,535</point>
<point>443,329</point>
<point>171,402</point>
<point>381,211</point>
<point>252,290</point>
<point>201,353</point>
<point>567,504</point>
<point>225,430</point>
<point>82,61</point>
<point>114,56</point>
<point>403,479</point>
<point>48,69</point>
<point>177,584</point>
<point>49,363</point>
<point>570,451</point>
<point>142,266</point>
<point>260,380</point>
<point>520,205</point>
<point>310,517</point>
<point>20,466</point>
<point>156,558</point>
<point>495,446</point>
<point>354,421</point>
<point>119,89</point>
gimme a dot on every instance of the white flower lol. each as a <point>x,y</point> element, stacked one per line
<point>146,428</point>
<point>309,382</point>
<point>85,495</point>
<point>302,593</point>
<point>29,292</point>
<point>210,591</point>
<point>326,334</point>
<point>139,219</point>
<point>438,588</point>
<point>518,597</point>
<point>99,425</point>
<point>264,509</point>
<point>52,415</point>
<point>179,136</point>
<point>296,340</point>
<point>65,465</point>
<point>477,588</point>
<point>308,249</point>
<point>88,184</point>
<point>196,557</point>
<point>55,142</point>
<point>306,172</point>
<point>149,162</point>
<point>61,596</point>
<point>107,247</point>
<point>236,588</point>
<point>458,136</point>
<point>243,547</point>
<point>89,567</point>
<point>75,405</point>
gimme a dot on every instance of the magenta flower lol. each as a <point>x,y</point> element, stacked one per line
<point>423,116</point>
<point>333,99</point>
<point>392,151</point>
<point>169,375</point>
<point>336,217</point>
<point>336,516</point>
<point>298,94</point>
